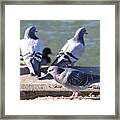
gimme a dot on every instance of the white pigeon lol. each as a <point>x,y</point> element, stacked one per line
<point>72,50</point>
<point>73,79</point>
<point>31,48</point>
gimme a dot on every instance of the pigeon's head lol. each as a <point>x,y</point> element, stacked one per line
<point>80,33</point>
<point>30,32</point>
<point>47,51</point>
<point>53,70</point>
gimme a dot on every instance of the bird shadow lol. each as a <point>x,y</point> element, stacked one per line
<point>25,70</point>
<point>46,77</point>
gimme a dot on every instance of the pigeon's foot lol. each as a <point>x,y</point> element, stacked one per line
<point>74,95</point>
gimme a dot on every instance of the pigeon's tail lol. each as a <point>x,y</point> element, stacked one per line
<point>48,75</point>
<point>62,63</point>
<point>55,61</point>
<point>94,78</point>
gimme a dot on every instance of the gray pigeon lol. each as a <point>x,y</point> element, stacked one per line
<point>72,78</point>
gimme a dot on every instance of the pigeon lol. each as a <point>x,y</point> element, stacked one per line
<point>31,48</point>
<point>45,56</point>
<point>73,79</point>
<point>72,50</point>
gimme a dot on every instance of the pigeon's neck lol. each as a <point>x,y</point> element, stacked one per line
<point>81,39</point>
<point>33,36</point>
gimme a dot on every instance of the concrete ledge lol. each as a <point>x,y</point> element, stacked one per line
<point>26,95</point>
<point>32,87</point>
<point>28,83</point>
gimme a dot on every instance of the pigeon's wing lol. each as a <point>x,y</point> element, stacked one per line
<point>61,53</point>
<point>77,51</point>
<point>64,48</point>
<point>78,78</point>
<point>71,55</point>
<point>38,46</point>
<point>62,60</point>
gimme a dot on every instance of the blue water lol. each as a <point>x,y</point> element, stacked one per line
<point>55,33</point>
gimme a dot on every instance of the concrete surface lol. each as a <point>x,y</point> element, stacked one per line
<point>32,87</point>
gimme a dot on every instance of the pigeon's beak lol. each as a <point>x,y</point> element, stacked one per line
<point>85,32</point>
<point>47,76</point>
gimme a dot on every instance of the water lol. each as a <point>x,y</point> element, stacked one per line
<point>55,33</point>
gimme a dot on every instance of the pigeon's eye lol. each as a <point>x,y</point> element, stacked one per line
<point>60,70</point>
